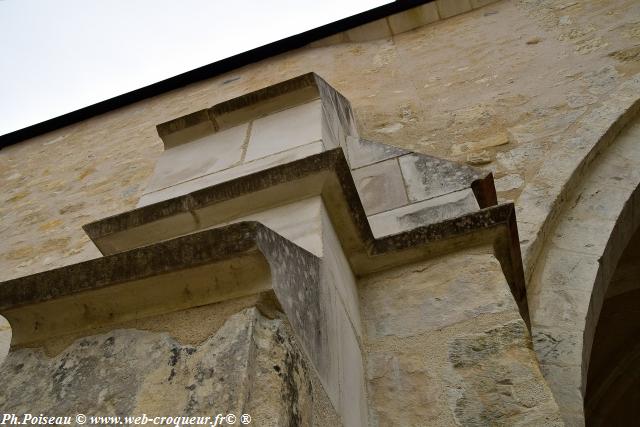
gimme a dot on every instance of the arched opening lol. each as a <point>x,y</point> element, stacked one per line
<point>613,381</point>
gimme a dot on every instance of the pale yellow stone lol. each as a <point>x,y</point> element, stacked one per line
<point>449,8</point>
<point>413,18</point>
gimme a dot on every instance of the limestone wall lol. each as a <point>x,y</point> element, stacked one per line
<point>446,346</point>
<point>237,360</point>
<point>530,90</point>
<point>500,86</point>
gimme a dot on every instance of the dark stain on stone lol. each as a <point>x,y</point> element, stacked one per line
<point>175,355</point>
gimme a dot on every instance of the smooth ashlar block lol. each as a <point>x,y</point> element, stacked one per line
<point>362,152</point>
<point>205,155</point>
<point>380,186</point>
<point>247,134</point>
<point>372,31</point>
<point>422,213</point>
<point>413,18</point>
<point>284,130</point>
<point>449,8</point>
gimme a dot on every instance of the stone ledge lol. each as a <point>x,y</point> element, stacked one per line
<point>331,178</point>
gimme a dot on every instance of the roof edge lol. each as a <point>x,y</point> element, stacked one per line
<point>211,70</point>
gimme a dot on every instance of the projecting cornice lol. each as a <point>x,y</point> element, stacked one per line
<point>139,272</point>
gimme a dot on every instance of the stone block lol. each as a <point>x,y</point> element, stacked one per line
<point>565,381</point>
<point>422,213</point>
<point>380,186</point>
<point>413,18</point>
<point>338,120</point>
<point>432,295</point>
<point>562,307</point>
<point>371,31</point>
<point>362,152</point>
<point>499,379</point>
<point>449,8</point>
<point>299,222</point>
<point>586,235</point>
<point>203,156</point>
<point>481,3</point>
<point>331,40</point>
<point>427,177</point>
<point>243,169</point>
<point>336,272</point>
<point>284,130</point>
<point>353,402</point>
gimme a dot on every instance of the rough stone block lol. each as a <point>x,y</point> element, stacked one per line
<point>413,18</point>
<point>380,186</point>
<point>449,8</point>
<point>284,130</point>
<point>433,295</point>
<point>500,381</point>
<point>250,364</point>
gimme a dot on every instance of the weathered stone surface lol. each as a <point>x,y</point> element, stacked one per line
<point>5,338</point>
<point>432,90</point>
<point>570,279</point>
<point>500,381</point>
<point>361,152</point>
<point>428,177</point>
<point>250,365</point>
<point>447,346</point>
<point>424,295</point>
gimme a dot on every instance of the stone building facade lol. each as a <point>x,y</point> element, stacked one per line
<point>427,219</point>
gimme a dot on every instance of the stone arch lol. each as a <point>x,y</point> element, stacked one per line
<point>577,260</point>
<point>613,379</point>
<point>5,338</point>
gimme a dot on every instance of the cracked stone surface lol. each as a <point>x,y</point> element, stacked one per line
<point>250,365</point>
